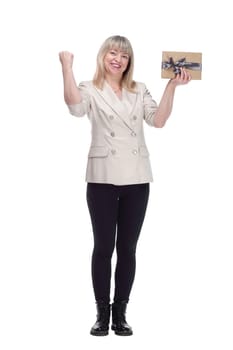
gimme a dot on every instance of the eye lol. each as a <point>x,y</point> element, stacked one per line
<point>125,56</point>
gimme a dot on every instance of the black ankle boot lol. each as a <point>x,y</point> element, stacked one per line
<point>103,316</point>
<point>119,324</point>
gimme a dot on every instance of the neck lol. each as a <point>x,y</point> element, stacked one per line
<point>115,82</point>
<point>116,87</point>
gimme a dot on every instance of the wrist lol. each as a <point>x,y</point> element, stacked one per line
<point>172,84</point>
<point>66,69</point>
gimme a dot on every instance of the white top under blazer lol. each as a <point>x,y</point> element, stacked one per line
<point>118,153</point>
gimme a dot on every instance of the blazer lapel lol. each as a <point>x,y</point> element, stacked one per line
<point>122,107</point>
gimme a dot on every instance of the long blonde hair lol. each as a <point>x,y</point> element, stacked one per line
<point>120,43</point>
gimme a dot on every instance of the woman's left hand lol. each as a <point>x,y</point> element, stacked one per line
<point>183,78</point>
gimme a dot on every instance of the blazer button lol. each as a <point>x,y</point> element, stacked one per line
<point>112,134</point>
<point>134,151</point>
<point>111,117</point>
<point>133,133</point>
<point>134,117</point>
<point>113,151</point>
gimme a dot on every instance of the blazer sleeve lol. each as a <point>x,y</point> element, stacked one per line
<point>82,108</point>
<point>150,106</point>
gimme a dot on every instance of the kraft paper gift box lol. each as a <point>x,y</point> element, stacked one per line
<point>172,61</point>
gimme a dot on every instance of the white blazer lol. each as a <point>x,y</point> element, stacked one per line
<point>118,153</point>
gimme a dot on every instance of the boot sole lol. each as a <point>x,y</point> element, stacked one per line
<point>124,334</point>
<point>99,334</point>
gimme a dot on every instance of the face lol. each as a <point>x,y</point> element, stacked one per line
<point>116,62</point>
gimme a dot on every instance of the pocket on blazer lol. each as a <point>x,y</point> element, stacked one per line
<point>98,152</point>
<point>143,151</point>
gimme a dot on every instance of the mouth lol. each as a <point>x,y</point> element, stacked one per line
<point>116,65</point>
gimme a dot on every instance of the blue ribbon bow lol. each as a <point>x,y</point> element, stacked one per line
<point>181,63</point>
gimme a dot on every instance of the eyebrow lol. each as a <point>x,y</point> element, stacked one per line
<point>124,52</point>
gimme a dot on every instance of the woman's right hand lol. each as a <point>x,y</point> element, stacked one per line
<point>66,59</point>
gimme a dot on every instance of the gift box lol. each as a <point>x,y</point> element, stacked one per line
<point>172,61</point>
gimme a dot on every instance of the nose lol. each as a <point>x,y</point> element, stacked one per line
<point>118,58</point>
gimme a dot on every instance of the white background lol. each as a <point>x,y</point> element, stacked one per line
<point>182,296</point>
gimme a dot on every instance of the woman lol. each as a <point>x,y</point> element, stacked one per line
<point>118,169</point>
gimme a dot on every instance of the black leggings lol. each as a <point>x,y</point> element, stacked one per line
<point>117,214</point>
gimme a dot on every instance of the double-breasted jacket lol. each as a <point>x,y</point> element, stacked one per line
<point>118,152</point>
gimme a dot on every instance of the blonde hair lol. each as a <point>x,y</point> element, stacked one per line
<point>120,43</point>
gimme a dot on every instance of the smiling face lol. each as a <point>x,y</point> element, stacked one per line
<point>116,62</point>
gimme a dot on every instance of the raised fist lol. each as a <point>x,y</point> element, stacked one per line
<point>66,59</point>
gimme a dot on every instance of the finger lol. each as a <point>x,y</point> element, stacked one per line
<point>188,77</point>
<point>181,75</point>
<point>184,75</point>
